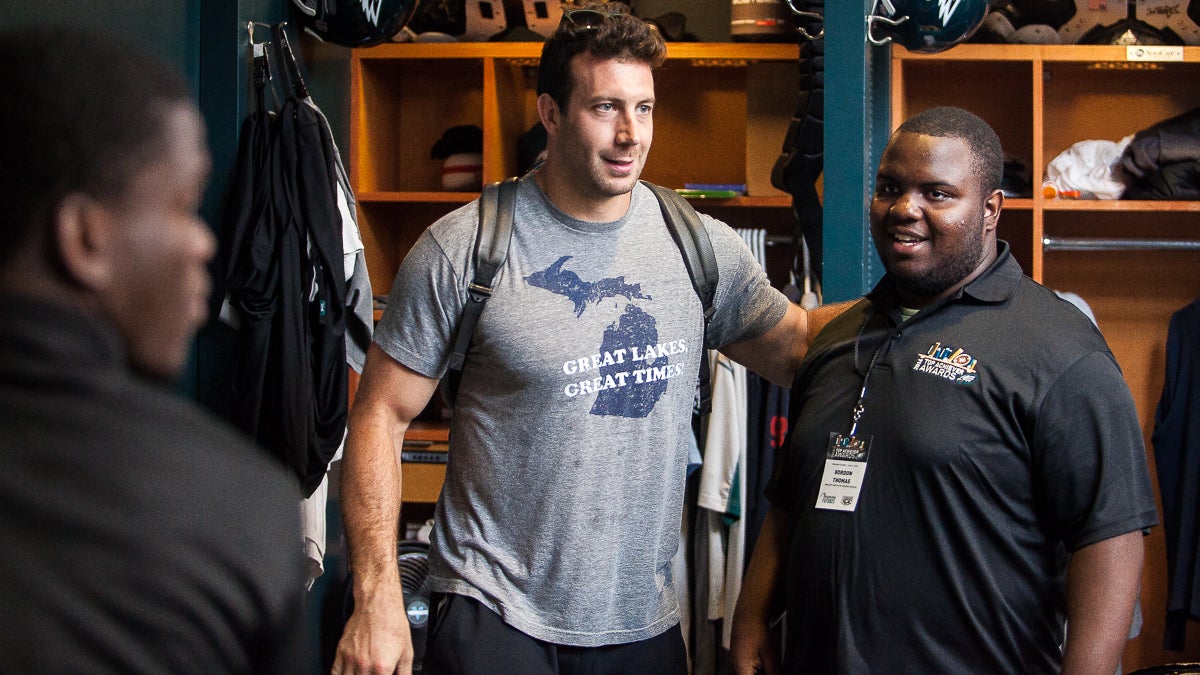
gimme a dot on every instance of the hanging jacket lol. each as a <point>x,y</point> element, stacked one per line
<point>310,184</point>
<point>1176,444</point>
<point>247,252</point>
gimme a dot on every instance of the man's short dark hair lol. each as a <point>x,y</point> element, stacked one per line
<point>620,36</point>
<point>79,112</point>
<point>948,122</point>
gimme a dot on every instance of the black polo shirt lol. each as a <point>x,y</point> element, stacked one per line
<point>1003,436</point>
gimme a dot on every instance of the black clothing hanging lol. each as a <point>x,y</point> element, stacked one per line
<point>284,274</point>
<point>1176,441</point>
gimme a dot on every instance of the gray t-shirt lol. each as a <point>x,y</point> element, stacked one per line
<point>564,489</point>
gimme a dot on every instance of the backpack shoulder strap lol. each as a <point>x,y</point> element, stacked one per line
<point>497,204</point>
<point>701,262</point>
<point>692,239</point>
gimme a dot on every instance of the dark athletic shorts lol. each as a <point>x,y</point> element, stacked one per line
<point>467,638</point>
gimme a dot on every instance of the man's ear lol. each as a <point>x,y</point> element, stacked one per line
<point>549,113</point>
<point>991,209</point>
<point>83,230</point>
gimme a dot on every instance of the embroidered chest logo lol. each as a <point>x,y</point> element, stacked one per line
<point>949,363</point>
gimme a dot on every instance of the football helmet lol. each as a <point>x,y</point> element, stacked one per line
<point>926,26</point>
<point>455,21</point>
<point>354,23</point>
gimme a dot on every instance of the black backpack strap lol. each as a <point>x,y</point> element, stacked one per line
<point>689,234</point>
<point>497,204</point>
<point>692,239</point>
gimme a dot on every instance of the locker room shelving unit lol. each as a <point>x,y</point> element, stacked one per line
<point>1042,99</point>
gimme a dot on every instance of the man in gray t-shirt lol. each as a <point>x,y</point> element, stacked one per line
<point>560,511</point>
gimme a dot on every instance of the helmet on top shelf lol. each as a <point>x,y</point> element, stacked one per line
<point>354,23</point>
<point>455,21</point>
<point>927,26</point>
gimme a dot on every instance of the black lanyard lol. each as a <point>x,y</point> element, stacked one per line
<point>859,408</point>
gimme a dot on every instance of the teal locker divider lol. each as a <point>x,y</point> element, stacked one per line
<point>857,83</point>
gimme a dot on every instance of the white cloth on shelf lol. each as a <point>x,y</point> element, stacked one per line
<point>1087,166</point>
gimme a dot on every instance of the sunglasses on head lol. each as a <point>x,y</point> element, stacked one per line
<point>589,19</point>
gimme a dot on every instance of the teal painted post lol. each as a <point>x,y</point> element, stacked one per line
<point>856,84</point>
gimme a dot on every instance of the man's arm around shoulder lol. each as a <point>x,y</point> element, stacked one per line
<point>776,354</point>
<point>389,396</point>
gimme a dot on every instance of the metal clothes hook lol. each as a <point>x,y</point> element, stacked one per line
<point>874,18</point>
<point>812,16</point>
<point>250,26</point>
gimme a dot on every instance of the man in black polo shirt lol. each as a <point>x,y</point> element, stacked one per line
<point>967,471</point>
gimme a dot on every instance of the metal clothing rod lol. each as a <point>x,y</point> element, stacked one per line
<point>1071,244</point>
<point>779,240</point>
